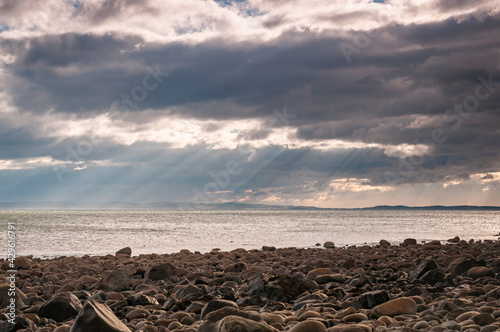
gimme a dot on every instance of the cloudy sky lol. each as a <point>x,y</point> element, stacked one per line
<point>328,103</point>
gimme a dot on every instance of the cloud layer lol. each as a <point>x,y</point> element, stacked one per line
<point>334,104</point>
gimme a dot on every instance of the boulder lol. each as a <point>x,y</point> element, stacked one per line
<point>60,307</point>
<point>22,262</point>
<point>350,328</point>
<point>161,272</point>
<point>219,314</point>
<point>215,305</point>
<point>309,326</point>
<point>124,251</point>
<point>5,298</point>
<point>480,271</point>
<point>371,299</point>
<point>236,267</point>
<point>329,244</point>
<point>399,306</point>
<point>423,268</point>
<point>409,242</point>
<point>95,316</point>
<point>116,281</point>
<point>20,323</point>
<point>240,324</point>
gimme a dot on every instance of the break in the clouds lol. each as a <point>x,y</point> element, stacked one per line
<point>325,103</point>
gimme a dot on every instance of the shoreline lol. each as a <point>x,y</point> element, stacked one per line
<point>436,286</point>
<point>45,256</point>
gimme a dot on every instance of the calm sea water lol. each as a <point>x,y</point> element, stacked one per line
<point>57,233</point>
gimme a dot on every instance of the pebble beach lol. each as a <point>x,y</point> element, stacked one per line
<point>436,286</point>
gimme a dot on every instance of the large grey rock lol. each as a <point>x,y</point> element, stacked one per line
<point>60,307</point>
<point>95,316</point>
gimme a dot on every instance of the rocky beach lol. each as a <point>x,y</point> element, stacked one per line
<point>435,286</point>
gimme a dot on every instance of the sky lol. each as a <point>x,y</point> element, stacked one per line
<point>296,102</point>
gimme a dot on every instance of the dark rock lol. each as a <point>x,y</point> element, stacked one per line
<point>95,316</point>
<point>483,319</point>
<point>480,272</point>
<point>20,323</point>
<point>142,299</point>
<point>371,299</point>
<point>116,281</point>
<point>409,242</point>
<point>423,268</point>
<point>432,277</point>
<point>124,251</point>
<point>161,272</point>
<point>219,314</point>
<point>5,297</point>
<point>215,305</point>
<point>466,265</point>
<point>236,323</point>
<point>256,286</point>
<point>329,244</point>
<point>60,307</point>
<point>236,267</point>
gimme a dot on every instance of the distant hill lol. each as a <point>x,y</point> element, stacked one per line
<point>230,206</point>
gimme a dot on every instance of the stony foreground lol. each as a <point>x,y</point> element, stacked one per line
<point>452,286</point>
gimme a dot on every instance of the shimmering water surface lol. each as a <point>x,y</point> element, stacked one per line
<point>56,233</point>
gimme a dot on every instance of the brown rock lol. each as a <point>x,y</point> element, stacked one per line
<point>5,296</point>
<point>124,251</point>
<point>309,326</point>
<point>236,323</point>
<point>161,272</point>
<point>480,271</point>
<point>399,306</point>
<point>115,281</point>
<point>95,316</point>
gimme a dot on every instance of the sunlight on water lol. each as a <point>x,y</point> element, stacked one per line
<point>104,232</point>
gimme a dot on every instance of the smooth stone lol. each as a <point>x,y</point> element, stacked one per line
<point>355,318</point>
<point>60,307</point>
<point>215,305</point>
<point>329,244</point>
<point>62,328</point>
<point>270,318</point>
<point>466,315</point>
<point>387,320</point>
<point>160,272</point>
<point>309,326</point>
<point>219,314</point>
<point>350,328</point>
<point>308,314</point>
<point>399,306</point>
<point>116,281</point>
<point>371,299</point>
<point>421,325</point>
<point>326,278</point>
<point>236,267</point>
<point>95,316</point>
<point>317,272</point>
<point>489,328</point>
<point>124,251</point>
<point>483,319</point>
<point>480,272</point>
<point>236,323</point>
<point>5,299</point>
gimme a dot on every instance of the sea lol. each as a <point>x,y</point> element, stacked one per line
<point>49,234</point>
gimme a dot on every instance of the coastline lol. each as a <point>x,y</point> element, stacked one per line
<point>436,286</point>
